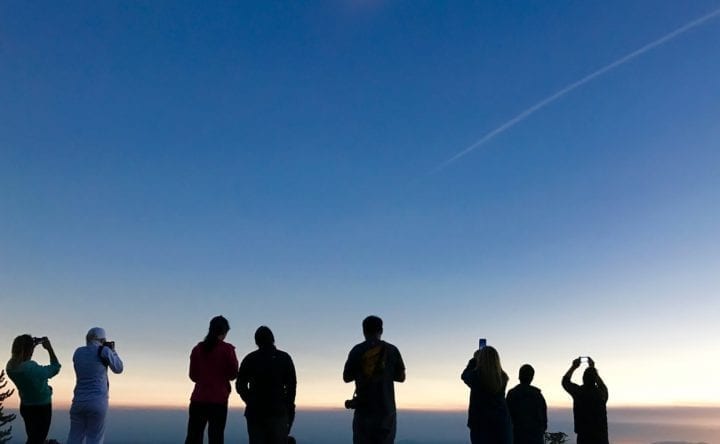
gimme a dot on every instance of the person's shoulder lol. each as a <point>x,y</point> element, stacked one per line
<point>227,346</point>
<point>391,347</point>
<point>283,354</point>
<point>515,390</point>
<point>80,350</point>
<point>251,356</point>
<point>358,348</point>
<point>535,390</point>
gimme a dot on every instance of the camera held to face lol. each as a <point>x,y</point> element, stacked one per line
<point>109,344</point>
<point>351,404</point>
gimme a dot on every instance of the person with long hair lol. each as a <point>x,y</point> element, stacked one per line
<point>31,380</point>
<point>488,415</point>
<point>213,364</point>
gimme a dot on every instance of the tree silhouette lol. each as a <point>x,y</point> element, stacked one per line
<point>555,438</point>
<point>5,434</point>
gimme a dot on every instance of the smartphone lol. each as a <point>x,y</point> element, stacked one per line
<point>584,358</point>
<point>482,343</point>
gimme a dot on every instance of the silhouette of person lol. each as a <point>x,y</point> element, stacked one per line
<point>374,365</point>
<point>213,364</point>
<point>90,397</point>
<point>488,416</point>
<point>589,404</point>
<point>528,409</point>
<point>267,384</point>
<point>31,380</point>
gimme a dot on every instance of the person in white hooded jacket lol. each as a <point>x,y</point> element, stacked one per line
<point>90,398</point>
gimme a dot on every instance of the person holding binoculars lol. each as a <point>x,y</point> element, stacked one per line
<point>31,380</point>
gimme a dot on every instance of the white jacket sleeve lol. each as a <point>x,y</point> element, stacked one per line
<point>114,362</point>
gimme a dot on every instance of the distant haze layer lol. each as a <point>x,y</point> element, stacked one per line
<point>627,426</point>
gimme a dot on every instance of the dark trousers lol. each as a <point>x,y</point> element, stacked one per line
<point>37,422</point>
<point>371,429</point>
<point>212,415</point>
<point>592,438</point>
<point>528,437</point>
<point>268,430</point>
<point>501,434</point>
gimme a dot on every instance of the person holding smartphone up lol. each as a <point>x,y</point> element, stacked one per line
<point>589,403</point>
<point>31,380</point>
<point>488,415</point>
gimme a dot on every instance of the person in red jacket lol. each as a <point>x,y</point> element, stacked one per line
<point>213,364</point>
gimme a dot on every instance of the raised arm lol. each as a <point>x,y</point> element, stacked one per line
<point>54,367</point>
<point>600,383</point>
<point>114,362</point>
<point>468,375</point>
<point>566,382</point>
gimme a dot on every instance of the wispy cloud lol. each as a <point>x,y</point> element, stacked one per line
<point>590,77</point>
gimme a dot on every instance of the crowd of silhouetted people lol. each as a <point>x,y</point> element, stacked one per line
<point>266,381</point>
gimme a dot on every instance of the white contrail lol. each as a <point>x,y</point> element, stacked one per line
<point>548,100</point>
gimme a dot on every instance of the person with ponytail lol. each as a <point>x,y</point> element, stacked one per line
<point>213,364</point>
<point>488,415</point>
<point>31,380</point>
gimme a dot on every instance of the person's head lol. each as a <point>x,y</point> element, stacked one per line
<point>590,376</point>
<point>22,349</point>
<point>491,372</point>
<point>264,337</point>
<point>219,326</point>
<point>372,327</point>
<point>95,335</point>
<point>527,373</point>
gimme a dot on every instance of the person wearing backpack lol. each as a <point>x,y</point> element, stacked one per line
<point>374,365</point>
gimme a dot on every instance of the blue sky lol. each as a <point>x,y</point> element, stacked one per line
<point>162,163</point>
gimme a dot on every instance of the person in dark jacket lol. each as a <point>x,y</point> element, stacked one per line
<point>267,384</point>
<point>589,404</point>
<point>528,409</point>
<point>488,416</point>
<point>374,365</point>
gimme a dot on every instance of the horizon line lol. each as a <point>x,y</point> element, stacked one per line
<point>125,406</point>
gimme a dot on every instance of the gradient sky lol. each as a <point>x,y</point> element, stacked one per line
<point>165,162</point>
